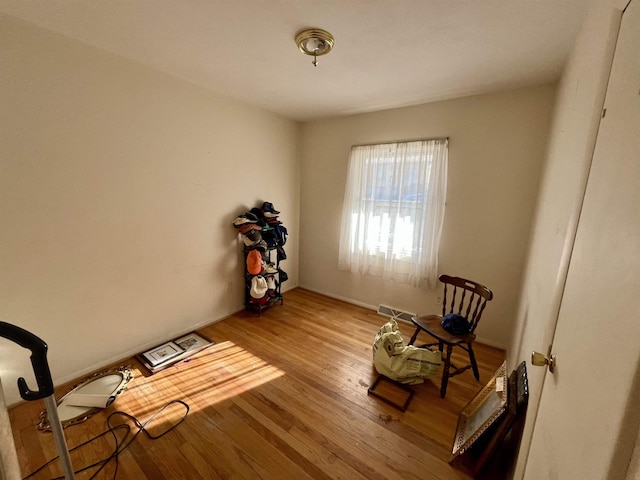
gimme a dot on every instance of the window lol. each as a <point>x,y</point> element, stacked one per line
<point>394,209</point>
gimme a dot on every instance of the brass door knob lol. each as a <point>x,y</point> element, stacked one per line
<point>540,360</point>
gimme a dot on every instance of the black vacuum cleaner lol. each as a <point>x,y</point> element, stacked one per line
<point>45,387</point>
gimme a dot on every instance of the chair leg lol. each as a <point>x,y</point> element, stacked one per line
<point>445,372</point>
<point>415,335</point>
<point>474,365</point>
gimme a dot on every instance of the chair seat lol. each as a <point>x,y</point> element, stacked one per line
<point>432,325</point>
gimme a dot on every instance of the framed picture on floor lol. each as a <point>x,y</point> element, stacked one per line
<point>485,409</point>
<point>162,353</point>
<point>191,342</point>
<point>169,353</point>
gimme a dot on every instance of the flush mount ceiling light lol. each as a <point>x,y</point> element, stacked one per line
<point>314,41</point>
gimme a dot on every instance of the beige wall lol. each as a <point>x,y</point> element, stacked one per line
<point>118,186</point>
<point>497,146</point>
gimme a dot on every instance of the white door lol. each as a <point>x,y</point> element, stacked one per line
<point>576,121</point>
<point>586,422</point>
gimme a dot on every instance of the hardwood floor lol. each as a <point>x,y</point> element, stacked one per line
<point>281,396</point>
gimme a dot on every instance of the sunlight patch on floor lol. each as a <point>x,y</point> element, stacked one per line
<point>210,377</point>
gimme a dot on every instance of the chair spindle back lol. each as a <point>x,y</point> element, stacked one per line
<point>468,298</point>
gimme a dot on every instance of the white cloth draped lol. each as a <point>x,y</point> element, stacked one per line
<point>394,210</point>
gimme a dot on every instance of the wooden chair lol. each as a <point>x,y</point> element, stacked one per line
<point>466,298</point>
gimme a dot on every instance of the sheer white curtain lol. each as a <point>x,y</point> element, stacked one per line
<point>394,209</point>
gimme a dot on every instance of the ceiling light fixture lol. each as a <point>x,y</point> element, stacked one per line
<point>314,41</point>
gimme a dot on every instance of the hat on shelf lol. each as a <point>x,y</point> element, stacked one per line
<point>254,262</point>
<point>261,245</point>
<point>281,233</point>
<point>247,227</point>
<point>257,213</point>
<point>270,268</point>
<point>267,207</point>
<point>271,282</point>
<point>244,220</point>
<point>258,287</point>
<point>283,275</point>
<point>249,242</point>
<point>253,216</point>
<point>253,235</point>
<point>260,301</point>
<point>270,237</point>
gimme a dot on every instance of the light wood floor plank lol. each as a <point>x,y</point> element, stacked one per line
<point>279,396</point>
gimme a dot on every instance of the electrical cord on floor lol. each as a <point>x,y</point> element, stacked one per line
<point>120,444</point>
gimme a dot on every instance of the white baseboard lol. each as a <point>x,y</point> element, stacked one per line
<point>344,299</point>
<point>482,340</point>
<point>491,343</point>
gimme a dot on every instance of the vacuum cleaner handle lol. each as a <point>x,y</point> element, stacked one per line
<point>38,360</point>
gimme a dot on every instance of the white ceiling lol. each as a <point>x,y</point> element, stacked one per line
<point>388,53</point>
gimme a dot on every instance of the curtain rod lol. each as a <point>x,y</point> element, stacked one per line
<point>400,141</point>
